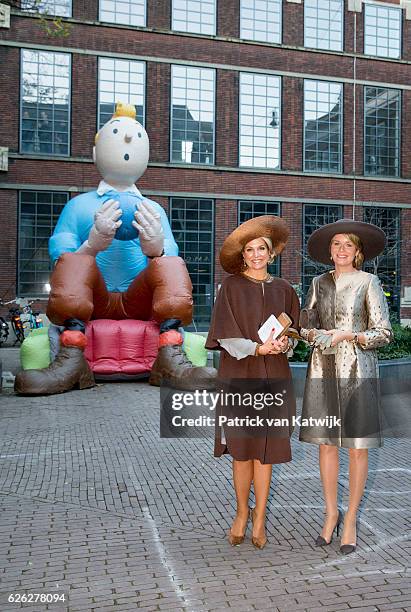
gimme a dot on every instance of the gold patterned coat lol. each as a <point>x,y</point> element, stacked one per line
<point>341,404</point>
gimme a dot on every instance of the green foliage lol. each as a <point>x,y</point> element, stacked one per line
<point>399,348</point>
<point>301,352</point>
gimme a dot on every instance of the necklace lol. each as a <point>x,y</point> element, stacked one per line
<point>258,280</point>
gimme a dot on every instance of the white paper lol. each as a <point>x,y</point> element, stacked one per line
<point>271,324</point>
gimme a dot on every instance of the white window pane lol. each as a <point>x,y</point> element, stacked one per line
<point>128,13</point>
<point>382,30</point>
<point>196,16</point>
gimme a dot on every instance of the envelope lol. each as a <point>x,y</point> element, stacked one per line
<point>279,326</point>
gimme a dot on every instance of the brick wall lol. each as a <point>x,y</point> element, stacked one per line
<point>159,14</point>
<point>83,105</point>
<point>85,10</point>
<point>146,43</point>
<point>227,118</point>
<point>8,245</point>
<point>292,124</point>
<point>228,18</point>
<point>10,103</point>
<point>293,24</point>
<point>158,110</point>
<point>208,181</point>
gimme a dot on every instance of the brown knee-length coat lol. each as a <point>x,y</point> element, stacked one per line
<point>241,307</point>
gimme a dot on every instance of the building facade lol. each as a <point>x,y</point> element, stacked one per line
<point>292,107</point>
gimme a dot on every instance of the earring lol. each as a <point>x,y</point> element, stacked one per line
<point>244,264</point>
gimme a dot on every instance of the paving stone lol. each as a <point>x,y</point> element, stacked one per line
<point>94,505</point>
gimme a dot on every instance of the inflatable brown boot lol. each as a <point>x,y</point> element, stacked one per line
<point>173,368</point>
<point>69,370</point>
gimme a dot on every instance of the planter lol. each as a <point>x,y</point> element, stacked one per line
<point>395,374</point>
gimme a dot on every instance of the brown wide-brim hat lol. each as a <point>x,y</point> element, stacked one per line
<point>371,236</point>
<point>266,226</point>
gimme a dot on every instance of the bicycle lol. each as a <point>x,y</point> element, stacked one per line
<point>33,318</point>
<point>22,320</point>
<point>4,330</point>
<point>17,325</point>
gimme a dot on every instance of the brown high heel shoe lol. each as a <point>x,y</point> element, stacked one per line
<point>258,542</point>
<point>237,540</point>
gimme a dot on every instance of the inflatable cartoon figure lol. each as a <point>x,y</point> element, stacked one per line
<point>116,258</point>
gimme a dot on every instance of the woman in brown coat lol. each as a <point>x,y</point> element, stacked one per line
<point>245,301</point>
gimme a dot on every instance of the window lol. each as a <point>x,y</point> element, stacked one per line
<point>192,115</point>
<point>260,120</point>
<point>387,265</point>
<point>192,223</point>
<point>120,80</point>
<point>261,20</point>
<point>128,12</point>
<point>196,16</point>
<point>45,102</point>
<point>322,126</point>
<point>38,215</point>
<point>382,131</point>
<point>60,8</point>
<point>249,209</point>
<point>323,24</point>
<point>382,25</point>
<point>315,215</point>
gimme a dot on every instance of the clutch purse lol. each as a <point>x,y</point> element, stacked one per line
<point>309,318</point>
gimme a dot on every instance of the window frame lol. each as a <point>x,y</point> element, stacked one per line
<point>317,30</point>
<point>365,131</point>
<point>368,264</point>
<point>387,7</point>
<point>131,25</point>
<point>143,63</point>
<point>172,117</point>
<point>70,77</point>
<point>258,40</point>
<point>38,9</point>
<point>19,268</point>
<point>174,29</point>
<point>193,325</point>
<point>341,160</point>
<point>280,83</point>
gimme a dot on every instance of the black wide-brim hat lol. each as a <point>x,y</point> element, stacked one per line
<point>371,236</point>
<point>264,226</point>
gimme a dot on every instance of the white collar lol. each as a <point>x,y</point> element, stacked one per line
<point>104,188</point>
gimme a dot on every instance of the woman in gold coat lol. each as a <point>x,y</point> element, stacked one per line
<point>345,319</point>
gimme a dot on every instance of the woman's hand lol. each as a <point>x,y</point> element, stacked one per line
<point>273,346</point>
<point>338,336</point>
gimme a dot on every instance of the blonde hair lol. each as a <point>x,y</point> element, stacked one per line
<point>359,258</point>
<point>122,110</point>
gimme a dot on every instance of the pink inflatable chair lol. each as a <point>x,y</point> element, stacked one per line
<point>123,350</point>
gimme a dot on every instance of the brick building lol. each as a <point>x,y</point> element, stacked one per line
<point>292,107</point>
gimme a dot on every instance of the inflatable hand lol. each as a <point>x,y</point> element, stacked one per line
<point>148,223</point>
<point>106,222</point>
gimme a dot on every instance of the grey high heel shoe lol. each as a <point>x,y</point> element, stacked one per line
<point>347,549</point>
<point>320,541</point>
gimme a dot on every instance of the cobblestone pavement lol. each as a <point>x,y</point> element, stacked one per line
<point>95,507</point>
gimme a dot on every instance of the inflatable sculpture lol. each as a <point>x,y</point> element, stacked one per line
<point>116,258</point>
